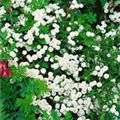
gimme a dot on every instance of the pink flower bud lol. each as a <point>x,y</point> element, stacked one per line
<point>3,65</point>
<point>5,73</point>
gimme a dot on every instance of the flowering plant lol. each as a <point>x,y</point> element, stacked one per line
<point>63,59</point>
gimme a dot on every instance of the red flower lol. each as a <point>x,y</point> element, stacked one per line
<point>3,65</point>
<point>5,73</point>
<point>9,10</point>
<point>4,70</point>
<point>69,9</point>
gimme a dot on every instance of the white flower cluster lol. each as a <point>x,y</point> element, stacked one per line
<point>68,62</point>
<point>18,3</point>
<point>42,17</point>
<point>112,110</point>
<point>114,102</point>
<point>54,43</point>
<point>43,104</point>
<point>74,94</point>
<point>106,7</point>
<point>115,17</point>
<point>99,71</point>
<point>90,34</point>
<point>33,73</point>
<point>22,20</point>
<point>102,27</point>
<point>111,33</point>
<point>71,36</point>
<point>109,8</point>
<point>116,90</point>
<point>55,30</point>
<point>75,5</point>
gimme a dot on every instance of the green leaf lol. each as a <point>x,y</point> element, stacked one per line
<point>102,117</point>
<point>45,116</point>
<point>18,73</point>
<point>68,116</point>
<point>3,114</point>
<point>103,2</point>
<point>42,41</point>
<point>38,4</point>
<point>5,3</point>
<point>44,65</point>
<point>90,42</point>
<point>25,103</point>
<point>91,17</point>
<point>55,115</point>
<point>28,25</point>
<point>40,87</point>
<point>14,19</point>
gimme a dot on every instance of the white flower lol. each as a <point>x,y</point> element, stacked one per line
<point>43,70</point>
<point>83,64</point>
<point>99,84</point>
<point>108,55</point>
<point>106,76</point>
<point>80,118</point>
<point>112,110</point>
<point>90,34</point>
<point>113,80</point>
<point>12,54</point>
<point>118,58</point>
<point>46,59</point>
<point>48,10</point>
<point>81,5</point>
<point>37,66</point>
<point>38,47</point>
<point>96,48</point>
<point>29,1</point>
<point>55,66</point>
<point>50,49</point>
<point>97,68</point>
<point>68,29</point>
<point>117,113</point>
<point>24,52</point>
<point>34,57</point>
<point>56,98</point>
<point>16,59</point>
<point>94,73</point>
<point>57,105</point>
<point>100,74</point>
<point>105,68</point>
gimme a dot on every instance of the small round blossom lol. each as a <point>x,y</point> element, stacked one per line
<point>24,52</point>
<point>106,76</point>
<point>43,70</point>
<point>12,54</point>
<point>68,29</point>
<point>118,58</point>
<point>99,84</point>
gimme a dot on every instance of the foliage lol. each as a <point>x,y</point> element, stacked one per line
<point>38,4</point>
<point>17,98</point>
<point>18,73</point>
<point>103,2</point>
<point>4,54</point>
<point>54,116</point>
<point>3,114</point>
